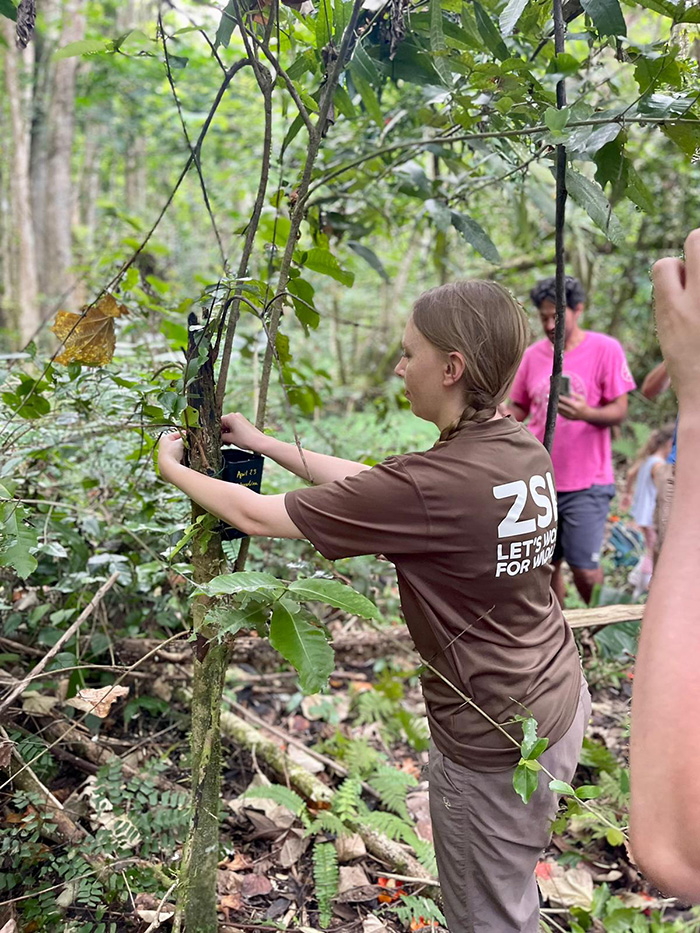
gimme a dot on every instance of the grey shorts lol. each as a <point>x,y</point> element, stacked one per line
<point>582,517</point>
<point>488,842</point>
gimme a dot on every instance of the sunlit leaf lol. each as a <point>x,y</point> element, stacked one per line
<point>335,594</point>
<point>88,337</point>
<point>510,15</point>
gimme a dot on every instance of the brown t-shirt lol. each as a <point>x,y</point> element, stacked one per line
<point>471,527</point>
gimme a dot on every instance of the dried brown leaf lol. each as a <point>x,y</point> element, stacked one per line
<point>5,754</point>
<point>88,337</point>
<point>97,701</point>
<point>253,885</point>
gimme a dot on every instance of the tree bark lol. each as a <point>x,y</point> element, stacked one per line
<point>24,290</point>
<point>59,202</point>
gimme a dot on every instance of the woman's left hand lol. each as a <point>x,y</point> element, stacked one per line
<point>171,450</point>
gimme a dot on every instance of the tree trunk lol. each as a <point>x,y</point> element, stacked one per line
<point>59,204</point>
<point>196,904</point>
<point>24,294</point>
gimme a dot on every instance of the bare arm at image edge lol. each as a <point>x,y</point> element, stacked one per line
<point>665,736</point>
<point>314,468</point>
<point>656,382</point>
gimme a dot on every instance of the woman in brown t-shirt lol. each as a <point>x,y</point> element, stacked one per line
<point>470,525</point>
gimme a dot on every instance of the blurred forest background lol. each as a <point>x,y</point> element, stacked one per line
<point>296,204</point>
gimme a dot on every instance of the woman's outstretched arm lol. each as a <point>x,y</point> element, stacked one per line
<point>313,467</point>
<point>665,744</point>
<point>238,506</point>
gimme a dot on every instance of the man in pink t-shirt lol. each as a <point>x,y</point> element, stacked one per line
<point>596,399</point>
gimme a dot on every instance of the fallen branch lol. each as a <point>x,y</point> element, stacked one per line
<point>603,615</point>
<point>58,827</point>
<point>314,790</point>
<point>292,740</point>
<point>53,651</point>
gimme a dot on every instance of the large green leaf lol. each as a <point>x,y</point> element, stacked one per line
<point>335,594</point>
<point>489,33</point>
<point>370,257</point>
<point>525,780</point>
<point>510,16</point>
<point>303,644</point>
<point>82,47</point>
<point>249,581</point>
<point>324,23</point>
<point>227,620</point>
<point>437,36</point>
<point>369,99</point>
<point>590,196</point>
<point>15,550</point>
<point>476,236</point>
<point>8,9</point>
<point>607,16</point>
<point>226,25</point>
<point>685,136</point>
<point>323,261</point>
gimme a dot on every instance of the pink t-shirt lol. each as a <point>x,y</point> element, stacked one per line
<point>598,369</point>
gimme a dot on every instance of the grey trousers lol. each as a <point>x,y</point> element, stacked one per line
<point>488,842</point>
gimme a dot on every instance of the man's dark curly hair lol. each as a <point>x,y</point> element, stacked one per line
<point>545,290</point>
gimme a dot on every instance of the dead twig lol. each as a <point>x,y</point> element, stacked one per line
<point>52,652</point>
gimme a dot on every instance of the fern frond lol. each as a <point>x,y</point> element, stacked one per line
<point>283,796</point>
<point>326,876</point>
<point>360,758</point>
<point>372,706</point>
<point>425,853</point>
<point>392,784</point>
<point>327,822</point>
<point>347,798</point>
<point>411,908</point>
<point>389,824</point>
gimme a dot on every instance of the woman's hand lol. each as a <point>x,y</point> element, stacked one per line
<point>677,309</point>
<point>171,450</point>
<point>235,429</point>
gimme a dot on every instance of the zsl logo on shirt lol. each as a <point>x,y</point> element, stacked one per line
<point>535,545</point>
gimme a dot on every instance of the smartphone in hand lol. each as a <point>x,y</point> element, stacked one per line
<point>565,385</point>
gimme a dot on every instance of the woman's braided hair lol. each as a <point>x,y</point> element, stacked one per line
<point>482,321</point>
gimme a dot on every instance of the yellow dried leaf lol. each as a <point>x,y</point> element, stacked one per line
<point>97,701</point>
<point>88,337</point>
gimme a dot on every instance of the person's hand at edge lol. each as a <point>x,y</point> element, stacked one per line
<point>677,308</point>
<point>237,430</point>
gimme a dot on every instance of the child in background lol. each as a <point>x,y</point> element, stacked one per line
<point>647,472</point>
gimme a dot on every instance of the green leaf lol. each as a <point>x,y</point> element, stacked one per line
<point>227,24</point>
<point>525,781</point>
<point>249,581</point>
<point>590,196</point>
<point>369,99</point>
<point>476,236</point>
<point>685,136</point>
<point>370,257</point>
<point>363,66</point>
<point>607,16</point>
<point>82,47</point>
<point>343,104</point>
<point>341,14</point>
<point>304,645</point>
<point>281,795</point>
<point>15,551</point>
<point>489,33</point>
<point>227,620</point>
<point>561,787</point>
<point>323,261</point>
<point>588,791</point>
<point>615,837</point>
<point>510,16</point>
<point>324,23</point>
<point>335,594</point>
<point>437,36</point>
<point>302,293</point>
<point>439,213</point>
<point>8,9</point>
<point>556,119</point>
<point>638,192</point>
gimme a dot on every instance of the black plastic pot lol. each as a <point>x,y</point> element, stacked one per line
<point>244,469</point>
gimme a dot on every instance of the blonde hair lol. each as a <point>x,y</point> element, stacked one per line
<point>482,321</point>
